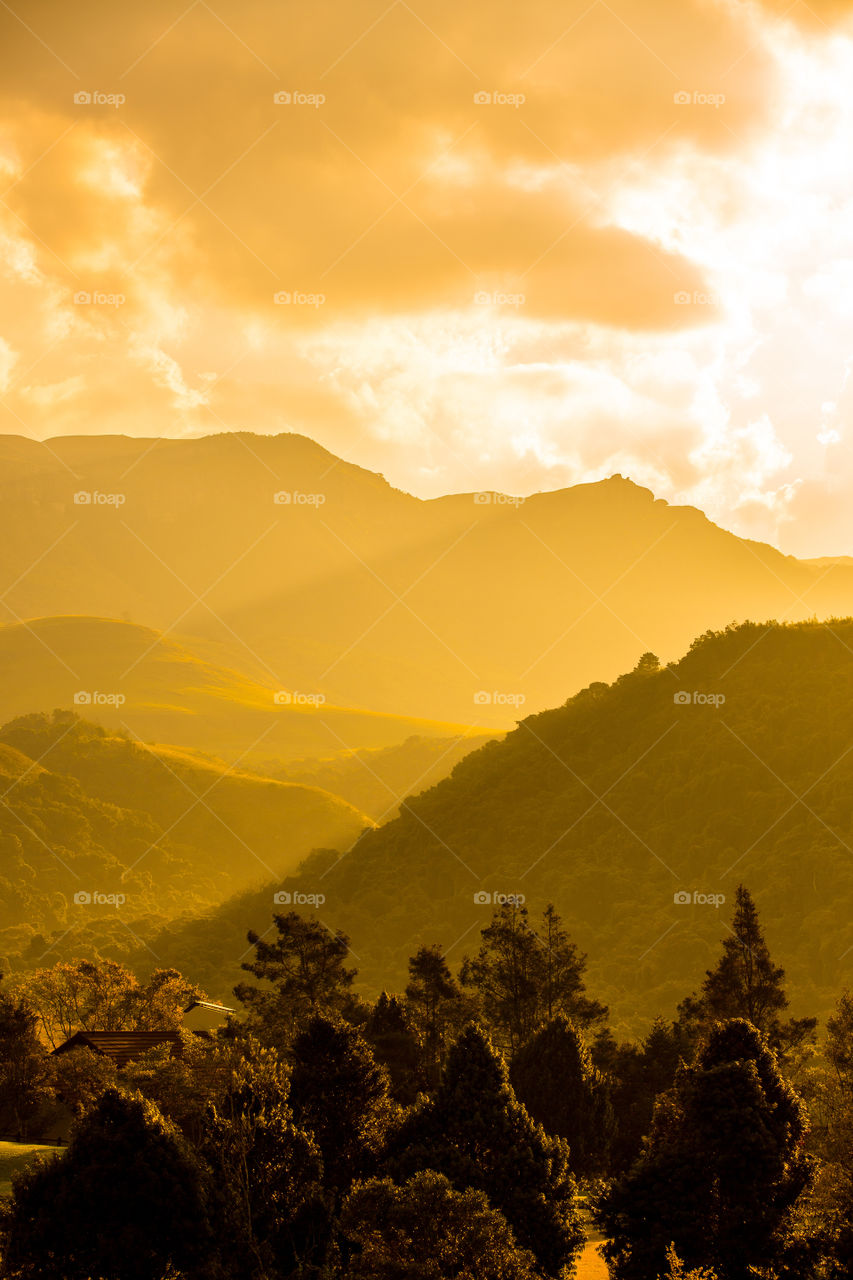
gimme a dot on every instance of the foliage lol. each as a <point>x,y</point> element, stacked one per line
<point>729,1137</point>
<point>24,1072</point>
<point>553,1075</point>
<point>425,1230</point>
<point>128,1199</point>
<point>746,984</point>
<point>271,1210</point>
<point>340,1095</point>
<point>478,1135</point>
<point>104,996</point>
<point>305,972</point>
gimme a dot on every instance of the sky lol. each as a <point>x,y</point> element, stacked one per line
<point>481,246</point>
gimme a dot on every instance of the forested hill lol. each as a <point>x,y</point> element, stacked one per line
<point>611,805</point>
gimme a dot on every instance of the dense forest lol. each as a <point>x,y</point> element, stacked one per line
<point>609,806</point>
<point>473,1126</point>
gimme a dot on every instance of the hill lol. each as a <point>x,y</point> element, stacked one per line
<point>376,781</point>
<point>463,609</point>
<point>83,812</point>
<point>138,680</point>
<point>614,806</point>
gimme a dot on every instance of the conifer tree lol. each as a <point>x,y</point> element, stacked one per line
<point>554,1077</point>
<point>340,1095</point>
<point>389,1034</point>
<point>477,1133</point>
<point>522,977</point>
<point>433,999</point>
<point>303,971</point>
<point>746,984</point>
<point>722,1171</point>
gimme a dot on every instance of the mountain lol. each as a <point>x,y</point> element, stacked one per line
<point>86,812</point>
<point>376,781</point>
<point>472,608</point>
<point>734,764</point>
<point>138,680</point>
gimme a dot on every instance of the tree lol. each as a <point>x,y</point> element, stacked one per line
<point>24,1072</point>
<point>434,999</point>
<point>522,977</point>
<point>563,975</point>
<point>88,995</point>
<point>746,984</point>
<point>80,1077</point>
<point>722,1171</point>
<point>181,1085</point>
<point>305,966</point>
<point>638,1074</point>
<point>128,1200</point>
<point>271,1209</point>
<point>425,1230</point>
<point>477,1133</point>
<point>554,1077</point>
<point>506,974</point>
<point>390,1037</point>
<point>341,1096</point>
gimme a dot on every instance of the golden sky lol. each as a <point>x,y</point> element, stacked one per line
<point>482,245</point>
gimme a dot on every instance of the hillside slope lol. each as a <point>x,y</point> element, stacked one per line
<point>135,679</point>
<point>610,806</point>
<point>85,812</point>
<point>367,595</point>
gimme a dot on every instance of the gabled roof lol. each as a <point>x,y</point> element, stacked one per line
<point>121,1046</point>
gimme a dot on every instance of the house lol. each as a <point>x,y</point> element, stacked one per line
<point>121,1046</point>
<point>205,1015</point>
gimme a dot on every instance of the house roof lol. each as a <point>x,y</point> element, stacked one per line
<point>121,1046</point>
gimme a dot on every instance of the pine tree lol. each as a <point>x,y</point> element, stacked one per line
<point>522,977</point>
<point>389,1035</point>
<point>304,965</point>
<point>563,968</point>
<point>746,984</point>
<point>340,1095</point>
<point>477,1133</point>
<point>434,1000</point>
<point>554,1077</point>
<point>723,1168</point>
